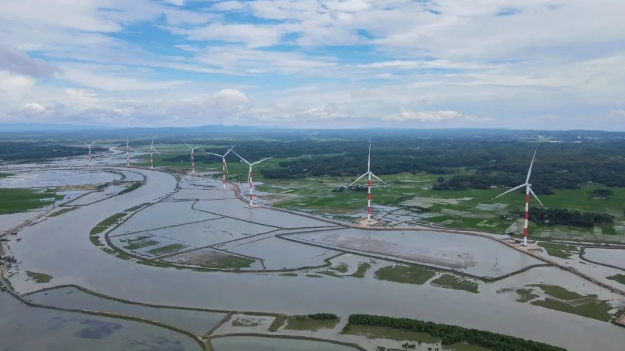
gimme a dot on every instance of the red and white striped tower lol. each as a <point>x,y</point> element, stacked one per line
<point>251,187</point>
<point>152,159</point>
<point>369,198</point>
<point>527,213</point>
<point>89,155</point>
<point>223,172</point>
<point>192,161</point>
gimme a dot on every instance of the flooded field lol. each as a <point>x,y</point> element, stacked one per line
<point>29,328</point>
<point>254,343</point>
<point>58,178</point>
<point>612,257</point>
<point>237,209</point>
<point>198,322</point>
<point>470,254</point>
<point>160,215</point>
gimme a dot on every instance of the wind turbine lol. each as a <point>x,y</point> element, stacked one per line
<point>89,146</point>
<point>369,174</point>
<point>528,191</point>
<point>152,151</point>
<point>192,156</point>
<point>224,166</point>
<point>249,177</point>
<point>128,149</point>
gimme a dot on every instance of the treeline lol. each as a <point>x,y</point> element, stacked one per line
<point>13,151</point>
<point>559,216</point>
<point>323,316</point>
<point>485,181</point>
<point>451,334</point>
<point>493,162</point>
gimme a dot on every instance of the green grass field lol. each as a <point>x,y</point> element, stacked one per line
<point>449,281</point>
<point>405,274</point>
<point>22,200</point>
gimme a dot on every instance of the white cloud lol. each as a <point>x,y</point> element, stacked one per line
<point>14,84</point>
<point>249,34</point>
<point>229,6</point>
<point>617,114</point>
<point>433,116</point>
<point>33,108</point>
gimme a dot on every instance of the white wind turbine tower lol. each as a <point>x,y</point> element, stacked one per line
<point>192,156</point>
<point>152,151</point>
<point>528,191</point>
<point>224,166</point>
<point>89,146</point>
<point>369,174</point>
<point>128,149</point>
<point>249,177</point>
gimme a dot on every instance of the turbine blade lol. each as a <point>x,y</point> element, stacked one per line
<point>210,153</point>
<point>242,159</point>
<point>529,172</point>
<point>187,144</point>
<point>376,177</point>
<point>156,151</point>
<point>152,145</point>
<point>263,160</point>
<point>230,149</point>
<point>357,179</point>
<point>369,159</point>
<point>225,164</point>
<point>509,191</point>
<point>536,197</point>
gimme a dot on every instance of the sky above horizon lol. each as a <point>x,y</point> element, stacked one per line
<point>533,64</point>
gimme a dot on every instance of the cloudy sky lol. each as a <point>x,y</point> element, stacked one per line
<point>547,64</point>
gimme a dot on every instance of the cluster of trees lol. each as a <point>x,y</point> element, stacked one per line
<point>14,150</point>
<point>451,334</point>
<point>601,193</point>
<point>486,181</point>
<point>559,216</point>
<point>323,316</point>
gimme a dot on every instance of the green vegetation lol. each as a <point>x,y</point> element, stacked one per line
<point>233,262</point>
<point>600,193</point>
<point>341,268</point>
<point>525,295</point>
<point>592,309</point>
<point>376,332</point>
<point>620,278</point>
<point>330,273</point>
<point>277,323</point>
<point>559,292</point>
<point>289,274</point>
<point>362,270</point>
<point>140,244</point>
<point>5,174</point>
<point>62,211</point>
<point>312,322</point>
<point>449,281</point>
<point>39,278</point>
<point>166,249</point>
<point>313,276</point>
<point>39,150</point>
<point>558,250</point>
<point>405,274</point>
<point>22,200</point>
<point>450,334</point>
<point>244,322</point>
<point>109,222</point>
<point>133,187</point>
<point>558,216</point>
